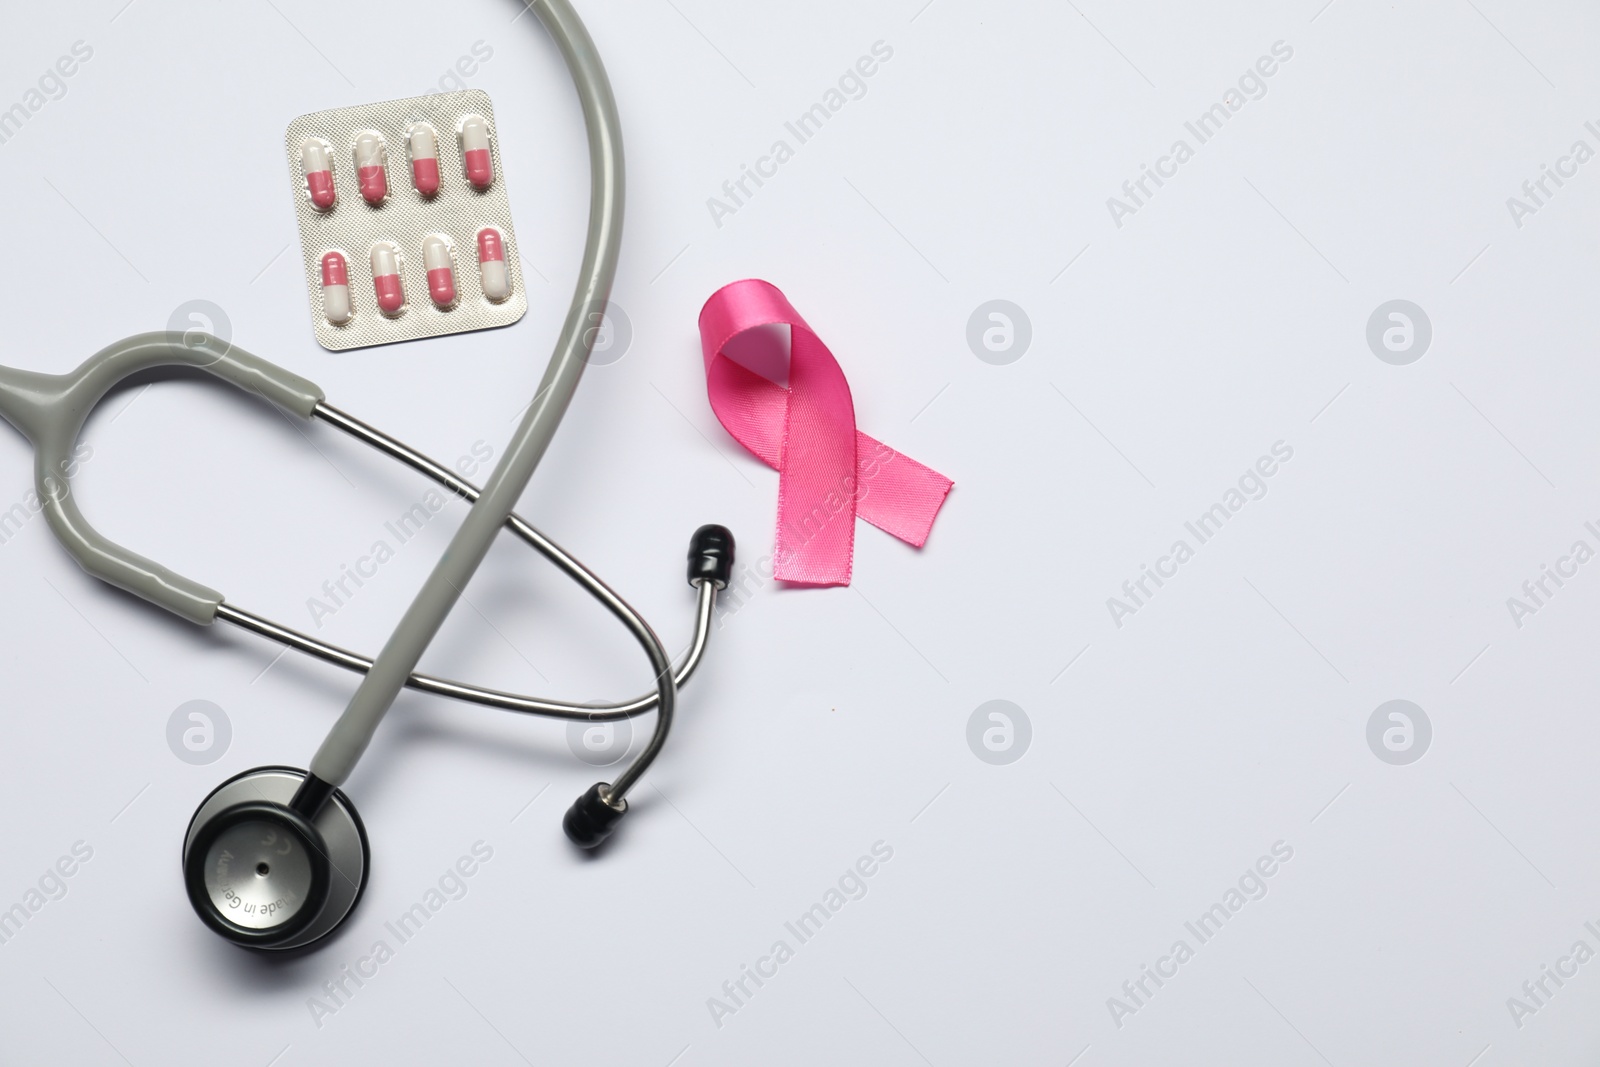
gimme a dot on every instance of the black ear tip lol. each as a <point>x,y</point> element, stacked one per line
<point>711,556</point>
<point>592,817</point>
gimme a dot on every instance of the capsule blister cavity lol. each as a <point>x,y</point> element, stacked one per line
<point>316,160</point>
<point>387,282</point>
<point>372,157</point>
<point>439,260</point>
<point>336,288</point>
<point>423,141</point>
<point>492,269</point>
<point>475,157</point>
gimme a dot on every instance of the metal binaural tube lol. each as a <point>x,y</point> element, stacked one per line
<point>565,562</point>
<point>493,698</point>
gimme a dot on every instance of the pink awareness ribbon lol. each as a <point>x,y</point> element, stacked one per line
<point>829,473</point>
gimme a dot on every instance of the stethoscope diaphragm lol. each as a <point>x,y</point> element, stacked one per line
<point>261,874</point>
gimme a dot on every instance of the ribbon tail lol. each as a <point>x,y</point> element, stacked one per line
<point>897,494</point>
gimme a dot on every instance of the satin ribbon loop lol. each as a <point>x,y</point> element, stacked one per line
<point>829,472</point>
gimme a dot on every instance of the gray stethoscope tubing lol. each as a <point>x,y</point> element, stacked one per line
<point>276,858</point>
<point>349,737</point>
<point>51,409</point>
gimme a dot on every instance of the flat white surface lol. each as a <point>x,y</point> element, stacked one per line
<point>1168,754</point>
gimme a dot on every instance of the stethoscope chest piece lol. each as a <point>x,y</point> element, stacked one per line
<point>261,874</point>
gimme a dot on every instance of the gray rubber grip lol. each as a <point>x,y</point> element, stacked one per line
<point>50,409</point>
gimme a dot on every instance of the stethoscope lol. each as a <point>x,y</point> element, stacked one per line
<point>276,857</point>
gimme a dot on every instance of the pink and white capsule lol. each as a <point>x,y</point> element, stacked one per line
<point>441,269</point>
<point>492,264</point>
<point>336,288</point>
<point>371,155</point>
<point>424,159</point>
<point>318,163</point>
<point>475,150</point>
<point>386,278</point>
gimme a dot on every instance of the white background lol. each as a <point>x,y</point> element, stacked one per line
<point>1168,354</point>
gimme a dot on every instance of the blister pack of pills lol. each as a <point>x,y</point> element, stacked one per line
<point>405,227</point>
